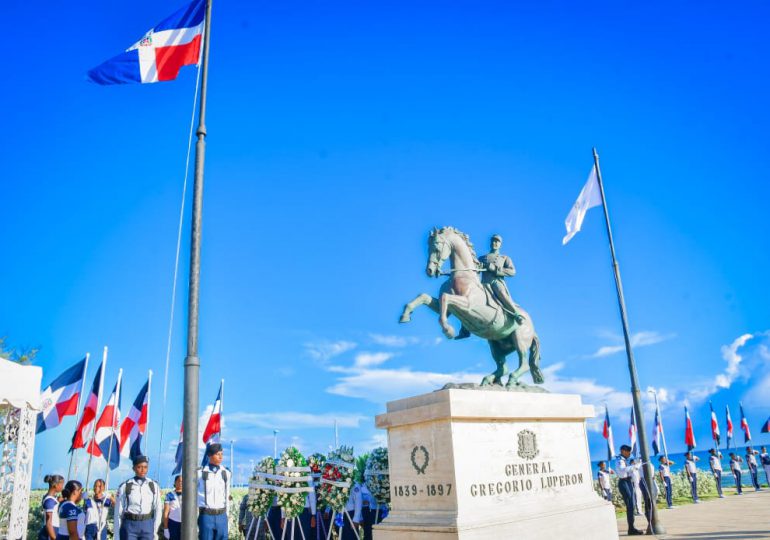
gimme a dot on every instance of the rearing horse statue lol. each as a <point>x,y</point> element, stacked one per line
<point>464,296</point>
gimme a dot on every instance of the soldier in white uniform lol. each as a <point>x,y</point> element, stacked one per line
<point>138,507</point>
<point>751,461</point>
<point>664,470</point>
<point>603,476</point>
<point>213,496</point>
<point>735,467</point>
<point>626,487</point>
<point>764,458</point>
<point>691,469</point>
<point>715,462</point>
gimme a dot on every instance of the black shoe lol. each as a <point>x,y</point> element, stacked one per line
<point>635,532</point>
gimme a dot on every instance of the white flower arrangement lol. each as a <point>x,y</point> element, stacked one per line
<point>377,475</point>
<point>293,482</point>
<point>261,493</point>
<point>337,478</point>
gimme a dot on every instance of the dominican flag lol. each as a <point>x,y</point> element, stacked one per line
<point>607,434</point>
<point>729,433</point>
<point>60,399</point>
<point>632,433</point>
<point>745,426</point>
<point>106,441</point>
<point>135,424</point>
<point>689,434</point>
<point>714,425</point>
<point>766,426</point>
<point>656,433</point>
<point>214,425</point>
<point>179,452</point>
<point>90,411</point>
<point>161,53</point>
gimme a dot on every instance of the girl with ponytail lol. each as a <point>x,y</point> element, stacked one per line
<point>72,519</point>
<point>50,507</point>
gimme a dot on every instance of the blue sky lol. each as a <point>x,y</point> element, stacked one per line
<point>339,135</point>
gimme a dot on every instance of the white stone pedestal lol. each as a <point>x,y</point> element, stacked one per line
<point>473,464</point>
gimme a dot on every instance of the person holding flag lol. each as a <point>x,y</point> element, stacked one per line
<point>751,462</point>
<point>691,469</point>
<point>664,470</point>
<point>138,509</point>
<point>626,488</point>
<point>735,467</point>
<point>715,462</point>
<point>135,424</point>
<point>60,398</point>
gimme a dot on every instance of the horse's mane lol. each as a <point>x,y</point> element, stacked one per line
<point>466,239</point>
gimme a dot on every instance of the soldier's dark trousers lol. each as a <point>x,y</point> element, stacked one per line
<point>738,486</point>
<point>694,486</point>
<point>669,492</point>
<point>347,528</point>
<point>212,527</point>
<point>371,518</point>
<point>754,477</point>
<point>174,529</point>
<point>274,521</point>
<point>718,479</point>
<point>137,530</point>
<point>92,532</point>
<point>304,521</point>
<point>323,522</point>
<point>626,488</point>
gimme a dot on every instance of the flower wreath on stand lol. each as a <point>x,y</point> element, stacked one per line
<point>377,477</point>
<point>261,492</point>
<point>337,478</point>
<point>316,463</point>
<point>293,482</point>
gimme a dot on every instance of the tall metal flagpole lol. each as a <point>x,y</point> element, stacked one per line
<point>192,362</point>
<point>79,413</point>
<point>655,524</point>
<point>96,417</point>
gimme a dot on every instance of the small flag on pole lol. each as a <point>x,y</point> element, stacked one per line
<point>729,433</point>
<point>161,53</point>
<point>179,452</point>
<point>214,426</point>
<point>106,441</point>
<point>135,424</point>
<point>90,410</point>
<point>745,426</point>
<point>60,398</point>
<point>689,434</point>
<point>589,197</point>
<point>607,434</point>
<point>714,425</point>
<point>632,433</point>
<point>657,431</point>
<point>766,426</point>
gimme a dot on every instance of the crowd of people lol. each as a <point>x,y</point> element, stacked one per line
<point>141,512</point>
<point>633,487</point>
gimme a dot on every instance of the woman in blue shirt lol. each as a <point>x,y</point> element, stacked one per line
<point>50,506</point>
<point>96,513</point>
<point>72,519</point>
<point>172,512</point>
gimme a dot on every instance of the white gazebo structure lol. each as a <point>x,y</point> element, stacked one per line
<point>19,404</point>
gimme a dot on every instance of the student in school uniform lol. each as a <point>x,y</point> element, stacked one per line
<point>626,487</point>
<point>691,469</point>
<point>715,462</point>
<point>735,467</point>
<point>764,459</point>
<point>172,512</point>
<point>96,512</point>
<point>72,519</point>
<point>138,508</point>
<point>50,507</point>
<point>603,477</point>
<point>751,462</point>
<point>664,471</point>
<point>213,496</point>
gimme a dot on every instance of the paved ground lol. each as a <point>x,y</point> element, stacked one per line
<point>733,518</point>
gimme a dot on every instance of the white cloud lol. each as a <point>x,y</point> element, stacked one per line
<point>644,338</point>
<point>294,420</point>
<point>368,359</point>
<point>733,359</point>
<point>393,341</point>
<point>325,350</point>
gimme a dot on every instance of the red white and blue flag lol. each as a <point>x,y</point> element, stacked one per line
<point>214,426</point>
<point>745,426</point>
<point>766,426</point>
<point>714,425</point>
<point>161,53</point>
<point>135,424</point>
<point>60,398</point>
<point>632,433</point>
<point>657,432</point>
<point>179,452</point>
<point>90,410</point>
<point>729,433</point>
<point>607,434</point>
<point>106,441</point>
<point>689,434</point>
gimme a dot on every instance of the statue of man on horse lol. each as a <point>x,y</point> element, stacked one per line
<point>483,305</point>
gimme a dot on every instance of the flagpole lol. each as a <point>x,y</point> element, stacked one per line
<point>192,362</point>
<point>96,416</point>
<point>79,413</point>
<point>112,435</point>
<point>660,420</point>
<point>656,524</point>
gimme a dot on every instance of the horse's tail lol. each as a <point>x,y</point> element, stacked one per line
<point>534,361</point>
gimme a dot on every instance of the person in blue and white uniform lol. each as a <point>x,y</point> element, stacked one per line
<point>664,471</point>
<point>626,487</point>
<point>50,507</point>
<point>96,512</point>
<point>138,508</point>
<point>715,462</point>
<point>603,477</point>
<point>764,458</point>
<point>172,512</point>
<point>691,469</point>
<point>735,467</point>
<point>213,496</point>
<point>751,462</point>
<point>72,519</point>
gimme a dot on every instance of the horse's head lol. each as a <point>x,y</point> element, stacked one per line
<point>439,250</point>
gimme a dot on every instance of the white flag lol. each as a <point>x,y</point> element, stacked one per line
<point>588,198</point>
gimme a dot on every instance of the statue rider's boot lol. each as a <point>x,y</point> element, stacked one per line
<point>464,333</point>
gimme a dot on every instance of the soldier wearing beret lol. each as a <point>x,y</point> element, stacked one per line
<point>138,510</point>
<point>213,496</point>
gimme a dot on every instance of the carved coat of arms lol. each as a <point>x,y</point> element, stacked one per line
<point>527,444</point>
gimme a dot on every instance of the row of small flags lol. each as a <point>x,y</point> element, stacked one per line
<point>689,433</point>
<point>111,437</point>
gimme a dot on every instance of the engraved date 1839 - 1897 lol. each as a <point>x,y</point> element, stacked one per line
<point>431,490</point>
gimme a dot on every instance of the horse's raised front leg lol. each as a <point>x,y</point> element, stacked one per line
<point>450,300</point>
<point>421,300</point>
